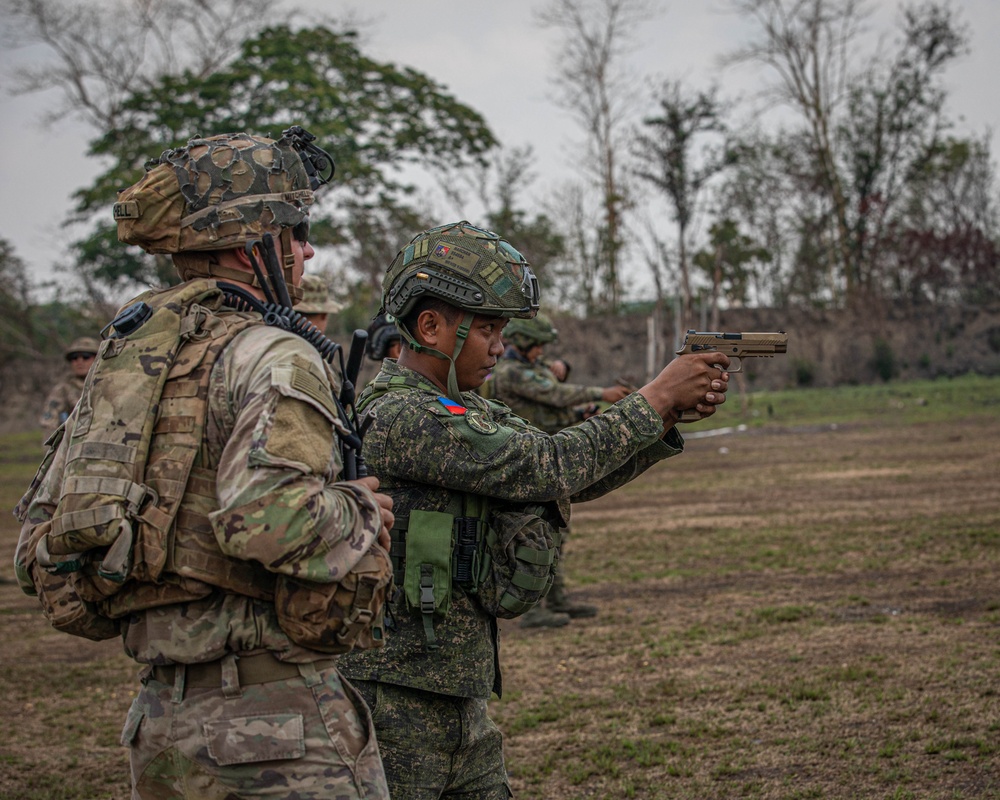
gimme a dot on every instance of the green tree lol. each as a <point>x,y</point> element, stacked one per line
<point>729,262</point>
<point>373,117</point>
<point>17,335</point>
<point>945,245</point>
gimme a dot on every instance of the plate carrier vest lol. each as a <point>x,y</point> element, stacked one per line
<point>131,529</point>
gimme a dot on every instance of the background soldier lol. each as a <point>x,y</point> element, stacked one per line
<point>384,340</point>
<point>64,395</point>
<point>525,382</point>
<point>316,305</point>
<point>232,561</point>
<point>465,470</point>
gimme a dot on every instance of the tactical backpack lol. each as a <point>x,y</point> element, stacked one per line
<point>131,529</point>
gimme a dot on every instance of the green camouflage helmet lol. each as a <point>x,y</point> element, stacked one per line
<point>523,333</point>
<point>216,193</point>
<point>471,268</point>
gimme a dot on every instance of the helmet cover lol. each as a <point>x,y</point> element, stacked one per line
<point>471,268</point>
<point>523,333</point>
<point>86,345</point>
<point>316,297</point>
<point>215,193</point>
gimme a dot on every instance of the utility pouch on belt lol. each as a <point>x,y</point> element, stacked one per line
<point>524,551</point>
<point>427,578</point>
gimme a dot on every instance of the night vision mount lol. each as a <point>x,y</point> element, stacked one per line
<point>318,163</point>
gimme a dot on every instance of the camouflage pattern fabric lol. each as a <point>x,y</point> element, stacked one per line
<point>214,193</point>
<point>533,392</point>
<point>316,297</point>
<point>60,402</point>
<point>436,746</point>
<point>422,452</point>
<point>307,738</point>
<point>279,504</point>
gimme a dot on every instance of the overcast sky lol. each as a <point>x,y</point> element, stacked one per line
<point>491,56</point>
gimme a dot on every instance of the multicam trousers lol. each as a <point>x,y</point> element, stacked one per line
<point>436,746</point>
<point>307,737</point>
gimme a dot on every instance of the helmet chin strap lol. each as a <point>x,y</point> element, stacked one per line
<point>460,336</point>
<point>288,266</point>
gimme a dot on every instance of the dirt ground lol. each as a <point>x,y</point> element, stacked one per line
<point>782,614</point>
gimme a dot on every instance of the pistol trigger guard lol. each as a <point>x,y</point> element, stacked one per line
<point>732,360</point>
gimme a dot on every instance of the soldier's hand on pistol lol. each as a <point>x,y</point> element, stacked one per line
<point>385,506</point>
<point>697,381</point>
<point>612,394</point>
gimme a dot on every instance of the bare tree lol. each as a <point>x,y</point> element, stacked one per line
<point>576,278</point>
<point>868,122</point>
<point>808,44</point>
<point>594,86</point>
<point>99,54</point>
<point>667,158</point>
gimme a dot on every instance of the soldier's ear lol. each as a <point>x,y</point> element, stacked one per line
<point>429,327</point>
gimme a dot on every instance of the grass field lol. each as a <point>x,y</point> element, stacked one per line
<point>807,608</point>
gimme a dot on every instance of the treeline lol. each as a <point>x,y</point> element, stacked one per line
<point>865,191</point>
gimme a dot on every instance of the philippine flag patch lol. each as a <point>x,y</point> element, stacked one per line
<point>452,406</point>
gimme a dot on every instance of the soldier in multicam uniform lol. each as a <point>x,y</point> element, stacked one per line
<point>240,694</point>
<point>316,305</point>
<point>58,405</point>
<point>525,383</point>
<point>444,453</point>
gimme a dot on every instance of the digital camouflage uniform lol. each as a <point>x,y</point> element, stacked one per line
<point>230,705</point>
<point>533,392</point>
<point>429,703</point>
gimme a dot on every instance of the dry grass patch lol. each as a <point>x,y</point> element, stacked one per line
<point>802,613</point>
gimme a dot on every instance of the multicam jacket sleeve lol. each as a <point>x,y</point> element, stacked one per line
<point>273,425</point>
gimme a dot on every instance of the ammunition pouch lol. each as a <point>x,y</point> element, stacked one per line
<point>507,559</point>
<point>524,551</point>
<point>337,617</point>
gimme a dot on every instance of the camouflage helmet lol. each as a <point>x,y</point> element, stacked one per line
<point>221,192</point>
<point>381,333</point>
<point>471,268</point>
<point>85,345</point>
<point>523,333</point>
<point>316,297</point>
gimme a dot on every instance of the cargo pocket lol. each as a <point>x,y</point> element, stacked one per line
<point>136,714</point>
<point>245,740</point>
